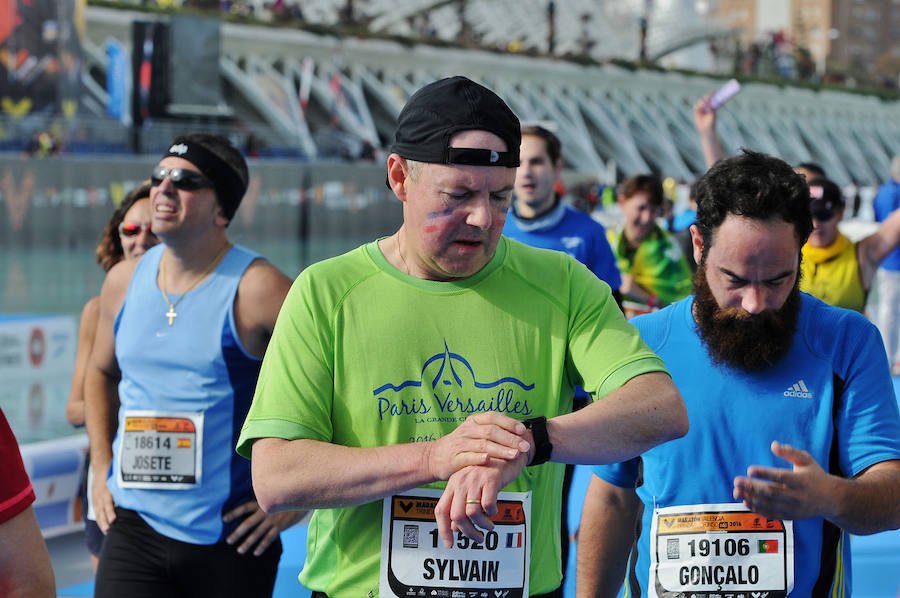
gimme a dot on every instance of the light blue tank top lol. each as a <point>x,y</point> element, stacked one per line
<point>196,368</point>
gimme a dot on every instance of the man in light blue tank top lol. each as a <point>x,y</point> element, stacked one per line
<point>181,337</point>
<point>795,433</point>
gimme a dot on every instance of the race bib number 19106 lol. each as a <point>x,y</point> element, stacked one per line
<point>719,551</point>
<point>415,562</point>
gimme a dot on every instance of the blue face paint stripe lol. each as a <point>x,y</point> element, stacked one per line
<point>441,213</point>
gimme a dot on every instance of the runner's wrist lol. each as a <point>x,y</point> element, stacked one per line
<point>541,447</point>
<point>529,438</point>
<point>431,470</point>
<point>837,501</point>
<point>100,461</point>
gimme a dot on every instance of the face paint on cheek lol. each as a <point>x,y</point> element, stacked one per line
<point>433,226</point>
<point>440,214</point>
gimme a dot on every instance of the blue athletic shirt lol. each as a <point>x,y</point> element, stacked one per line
<point>886,201</point>
<point>573,232</point>
<point>197,365</point>
<point>831,396</point>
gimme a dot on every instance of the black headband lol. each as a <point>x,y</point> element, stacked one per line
<point>228,183</point>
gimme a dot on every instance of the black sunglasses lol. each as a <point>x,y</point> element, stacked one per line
<point>823,215</point>
<point>186,180</point>
<point>821,210</point>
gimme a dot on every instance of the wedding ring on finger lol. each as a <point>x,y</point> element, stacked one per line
<point>473,501</point>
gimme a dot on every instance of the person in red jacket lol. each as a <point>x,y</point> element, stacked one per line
<point>24,561</point>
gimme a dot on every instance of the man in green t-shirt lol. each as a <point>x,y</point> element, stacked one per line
<point>415,388</point>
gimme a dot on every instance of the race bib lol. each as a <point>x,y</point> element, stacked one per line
<point>161,450</point>
<point>415,562</point>
<point>719,551</point>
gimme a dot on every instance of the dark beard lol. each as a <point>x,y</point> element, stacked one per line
<point>737,339</point>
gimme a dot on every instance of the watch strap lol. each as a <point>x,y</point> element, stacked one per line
<point>542,445</point>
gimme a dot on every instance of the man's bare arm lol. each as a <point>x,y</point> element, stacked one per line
<point>630,289</point>
<point>86,329</point>
<point>101,396</point>
<point>646,411</point>
<point>872,250</point>
<point>261,292</point>
<point>705,121</point>
<point>25,569</point>
<point>287,474</point>
<point>605,537</point>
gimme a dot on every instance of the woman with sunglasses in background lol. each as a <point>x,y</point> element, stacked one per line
<point>126,236</point>
<point>834,269</point>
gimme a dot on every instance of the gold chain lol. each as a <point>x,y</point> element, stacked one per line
<point>171,314</point>
<point>400,251</point>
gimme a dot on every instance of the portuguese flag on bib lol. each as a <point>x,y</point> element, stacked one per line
<point>768,545</point>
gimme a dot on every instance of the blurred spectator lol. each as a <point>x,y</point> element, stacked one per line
<point>654,270</point>
<point>367,152</point>
<point>252,146</point>
<point>681,227</point>
<point>886,202</point>
<point>810,170</point>
<point>42,144</point>
<point>835,269</point>
<point>585,196</point>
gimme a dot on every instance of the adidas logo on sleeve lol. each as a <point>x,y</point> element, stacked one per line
<point>798,390</point>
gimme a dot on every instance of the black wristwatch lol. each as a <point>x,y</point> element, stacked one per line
<point>542,445</point>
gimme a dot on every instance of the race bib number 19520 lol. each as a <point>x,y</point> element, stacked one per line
<point>415,562</point>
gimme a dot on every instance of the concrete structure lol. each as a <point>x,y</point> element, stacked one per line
<point>607,116</point>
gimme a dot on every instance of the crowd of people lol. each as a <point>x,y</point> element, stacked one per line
<point>422,394</point>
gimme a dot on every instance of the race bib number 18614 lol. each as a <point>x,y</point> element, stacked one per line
<point>161,450</point>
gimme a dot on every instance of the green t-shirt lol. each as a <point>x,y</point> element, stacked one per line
<point>364,355</point>
<point>658,264</point>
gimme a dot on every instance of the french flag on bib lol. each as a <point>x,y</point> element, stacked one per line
<point>514,540</point>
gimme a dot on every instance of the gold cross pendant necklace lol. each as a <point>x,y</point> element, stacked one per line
<point>172,314</point>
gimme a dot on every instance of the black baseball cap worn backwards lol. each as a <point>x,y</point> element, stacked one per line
<point>443,108</point>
